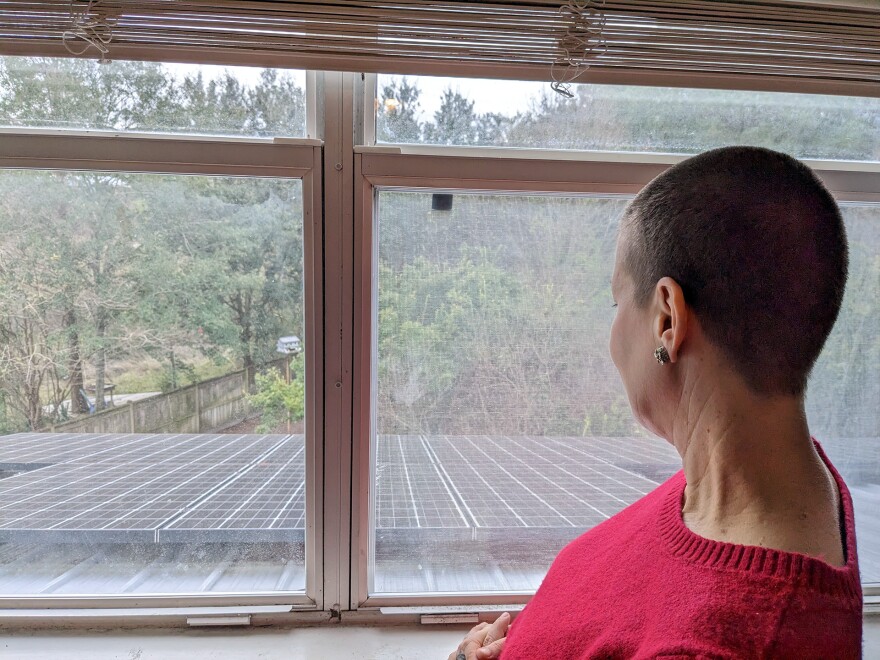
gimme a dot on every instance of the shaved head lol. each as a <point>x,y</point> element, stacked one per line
<point>758,246</point>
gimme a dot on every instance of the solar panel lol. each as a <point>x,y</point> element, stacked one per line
<point>132,487</point>
<point>252,487</point>
<point>268,495</point>
<point>490,482</point>
<point>200,488</point>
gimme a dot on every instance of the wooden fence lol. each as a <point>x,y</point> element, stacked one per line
<point>198,408</point>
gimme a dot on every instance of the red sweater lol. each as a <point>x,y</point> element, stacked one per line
<point>642,585</point>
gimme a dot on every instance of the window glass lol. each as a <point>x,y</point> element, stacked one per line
<point>151,97</point>
<point>151,384</point>
<point>503,430</point>
<point>455,111</point>
<point>843,397</point>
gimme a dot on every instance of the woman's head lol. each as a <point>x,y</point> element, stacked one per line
<point>755,246</point>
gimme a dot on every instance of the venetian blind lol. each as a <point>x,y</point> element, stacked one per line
<point>831,46</point>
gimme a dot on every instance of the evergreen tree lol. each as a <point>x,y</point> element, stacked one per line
<point>121,264</point>
<point>397,113</point>
<point>455,122</point>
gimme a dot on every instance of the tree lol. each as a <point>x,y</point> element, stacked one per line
<point>120,278</point>
<point>78,93</point>
<point>277,400</point>
<point>276,106</point>
<point>490,320</point>
<point>397,113</point>
<point>245,290</point>
<point>455,122</point>
<point>32,343</point>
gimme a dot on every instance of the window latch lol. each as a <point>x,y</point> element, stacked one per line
<point>219,620</point>
<point>468,617</point>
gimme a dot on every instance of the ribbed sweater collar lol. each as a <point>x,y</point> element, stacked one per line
<point>767,562</point>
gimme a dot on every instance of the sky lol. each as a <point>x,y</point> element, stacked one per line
<point>502,96</point>
<point>506,97</point>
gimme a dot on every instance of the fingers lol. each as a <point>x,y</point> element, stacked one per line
<point>470,648</point>
<point>497,630</point>
<point>472,641</point>
<point>491,651</point>
<point>484,636</point>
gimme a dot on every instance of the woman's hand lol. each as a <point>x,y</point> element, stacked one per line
<point>484,641</point>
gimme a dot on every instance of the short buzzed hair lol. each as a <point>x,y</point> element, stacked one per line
<point>758,246</point>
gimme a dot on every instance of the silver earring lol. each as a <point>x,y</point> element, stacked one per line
<point>662,355</point>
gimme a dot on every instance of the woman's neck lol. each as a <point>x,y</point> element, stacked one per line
<point>753,474</point>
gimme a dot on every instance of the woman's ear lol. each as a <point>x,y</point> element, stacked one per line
<point>671,318</point>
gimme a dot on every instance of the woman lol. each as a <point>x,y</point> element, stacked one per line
<point>729,276</point>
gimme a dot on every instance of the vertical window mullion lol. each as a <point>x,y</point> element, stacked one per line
<point>312,234</point>
<point>338,119</point>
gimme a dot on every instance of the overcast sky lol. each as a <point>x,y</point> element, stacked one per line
<point>502,96</point>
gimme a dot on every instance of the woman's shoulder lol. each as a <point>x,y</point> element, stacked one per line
<point>632,519</point>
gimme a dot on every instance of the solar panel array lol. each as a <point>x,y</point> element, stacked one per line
<point>203,491</point>
<point>132,488</point>
<point>122,487</point>
<point>486,482</point>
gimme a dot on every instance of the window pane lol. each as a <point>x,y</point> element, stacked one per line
<point>623,118</point>
<point>503,430</point>
<point>152,432</point>
<point>843,399</point>
<point>150,97</point>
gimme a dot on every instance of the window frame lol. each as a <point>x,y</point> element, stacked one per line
<point>475,169</point>
<point>288,158</point>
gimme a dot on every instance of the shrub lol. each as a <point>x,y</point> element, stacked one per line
<point>275,399</point>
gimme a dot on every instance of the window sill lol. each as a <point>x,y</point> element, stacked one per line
<point>329,642</point>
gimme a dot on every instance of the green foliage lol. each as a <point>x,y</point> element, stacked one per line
<point>455,123</point>
<point>635,118</point>
<point>176,374</point>
<point>142,378</point>
<point>98,268</point>
<point>398,107</point>
<point>490,317</point>
<point>844,388</point>
<point>9,421</point>
<point>142,96</point>
<point>493,317</point>
<point>277,400</point>
<point>616,118</point>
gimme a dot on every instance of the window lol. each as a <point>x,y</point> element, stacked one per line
<point>158,336</point>
<point>243,368</point>
<point>844,389</point>
<point>502,429</point>
<point>453,111</point>
<point>151,97</point>
<point>155,433</point>
<point>498,429</point>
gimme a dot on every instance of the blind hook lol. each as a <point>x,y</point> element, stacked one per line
<point>582,43</point>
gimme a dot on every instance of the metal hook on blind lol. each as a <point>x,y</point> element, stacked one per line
<point>582,42</point>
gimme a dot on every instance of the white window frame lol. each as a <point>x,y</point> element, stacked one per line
<point>293,159</point>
